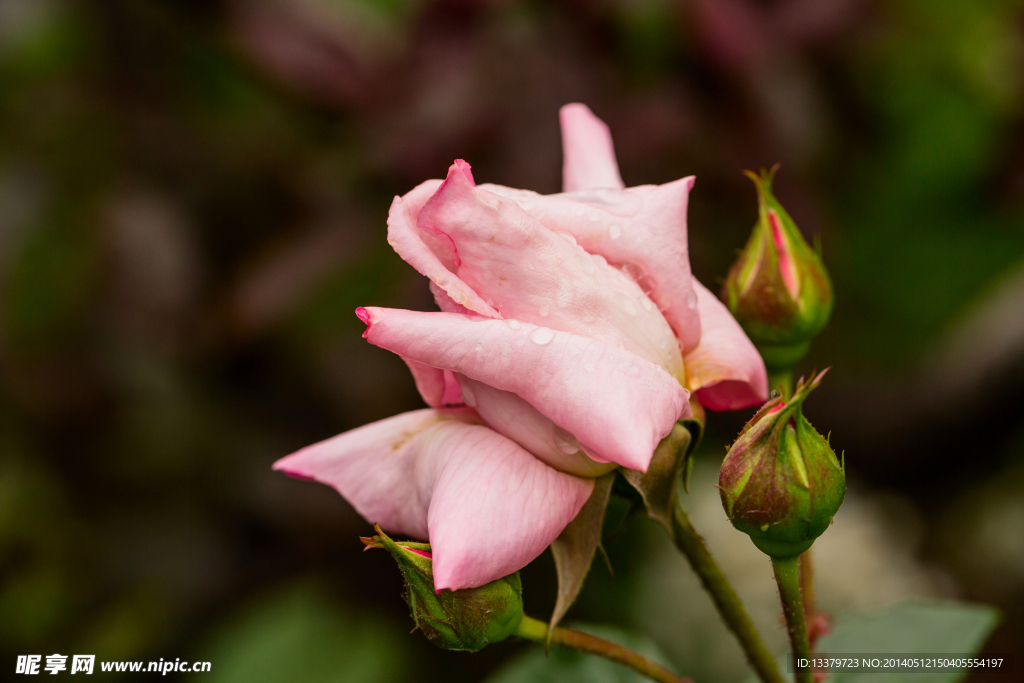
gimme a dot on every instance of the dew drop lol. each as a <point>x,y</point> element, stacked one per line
<point>478,347</point>
<point>614,231</point>
<point>542,336</point>
<point>594,216</point>
<point>543,312</point>
<point>774,394</point>
<point>513,324</point>
<point>565,442</point>
<point>530,266</point>
<point>646,303</point>
<point>525,205</point>
<point>600,260</point>
<point>567,237</point>
<point>691,299</point>
<point>580,211</point>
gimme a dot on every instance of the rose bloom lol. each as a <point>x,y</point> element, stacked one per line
<point>570,336</point>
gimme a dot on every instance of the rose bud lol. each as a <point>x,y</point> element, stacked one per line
<point>467,619</point>
<point>778,289</point>
<point>781,483</point>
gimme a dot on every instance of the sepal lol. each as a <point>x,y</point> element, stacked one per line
<point>781,483</point>
<point>468,619</point>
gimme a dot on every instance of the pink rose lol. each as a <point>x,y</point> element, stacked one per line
<point>570,335</point>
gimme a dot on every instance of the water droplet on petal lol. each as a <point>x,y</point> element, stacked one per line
<point>478,347</point>
<point>567,237</point>
<point>580,211</point>
<point>543,312</point>
<point>530,266</point>
<point>513,324</point>
<point>691,299</point>
<point>614,231</point>
<point>594,216</point>
<point>542,336</point>
<point>565,442</point>
<point>600,260</point>
<point>646,303</point>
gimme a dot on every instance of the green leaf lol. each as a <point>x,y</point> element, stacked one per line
<point>659,484</point>
<point>574,548</point>
<point>924,627</point>
<point>911,627</point>
<point>299,635</point>
<point>570,666</point>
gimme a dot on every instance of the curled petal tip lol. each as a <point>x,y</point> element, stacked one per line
<point>364,315</point>
<point>465,168</point>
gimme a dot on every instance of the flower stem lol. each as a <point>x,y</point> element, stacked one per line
<point>724,596</point>
<point>537,631</point>
<point>807,591</point>
<point>787,576</point>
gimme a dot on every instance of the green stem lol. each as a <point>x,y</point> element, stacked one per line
<point>728,603</point>
<point>787,576</point>
<point>537,631</point>
<point>807,590</point>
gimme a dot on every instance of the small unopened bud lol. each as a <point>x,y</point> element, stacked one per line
<point>781,483</point>
<point>778,289</point>
<point>468,619</point>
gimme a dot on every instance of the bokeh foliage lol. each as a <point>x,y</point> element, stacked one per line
<point>192,203</point>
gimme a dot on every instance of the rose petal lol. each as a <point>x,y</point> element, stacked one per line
<point>511,416</point>
<point>616,404</point>
<point>588,156</point>
<point>412,245</point>
<point>725,370</point>
<point>644,227</point>
<point>532,274</point>
<point>437,387</point>
<point>487,506</point>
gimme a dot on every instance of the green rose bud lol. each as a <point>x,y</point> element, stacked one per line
<point>781,483</point>
<point>778,289</point>
<point>468,619</point>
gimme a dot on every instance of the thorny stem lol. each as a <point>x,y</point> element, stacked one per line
<point>724,596</point>
<point>787,573</point>
<point>807,592</point>
<point>537,631</point>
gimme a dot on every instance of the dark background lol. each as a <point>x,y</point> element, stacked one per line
<point>192,203</point>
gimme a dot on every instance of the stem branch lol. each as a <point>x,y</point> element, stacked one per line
<point>787,576</point>
<point>537,631</point>
<point>724,596</point>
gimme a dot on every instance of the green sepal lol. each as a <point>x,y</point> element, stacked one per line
<point>670,466</point>
<point>781,482</point>
<point>467,619</point>
<point>575,547</point>
<point>781,323</point>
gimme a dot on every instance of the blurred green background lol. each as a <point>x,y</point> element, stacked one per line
<point>192,202</point>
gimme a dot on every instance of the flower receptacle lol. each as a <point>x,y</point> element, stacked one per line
<point>467,619</point>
